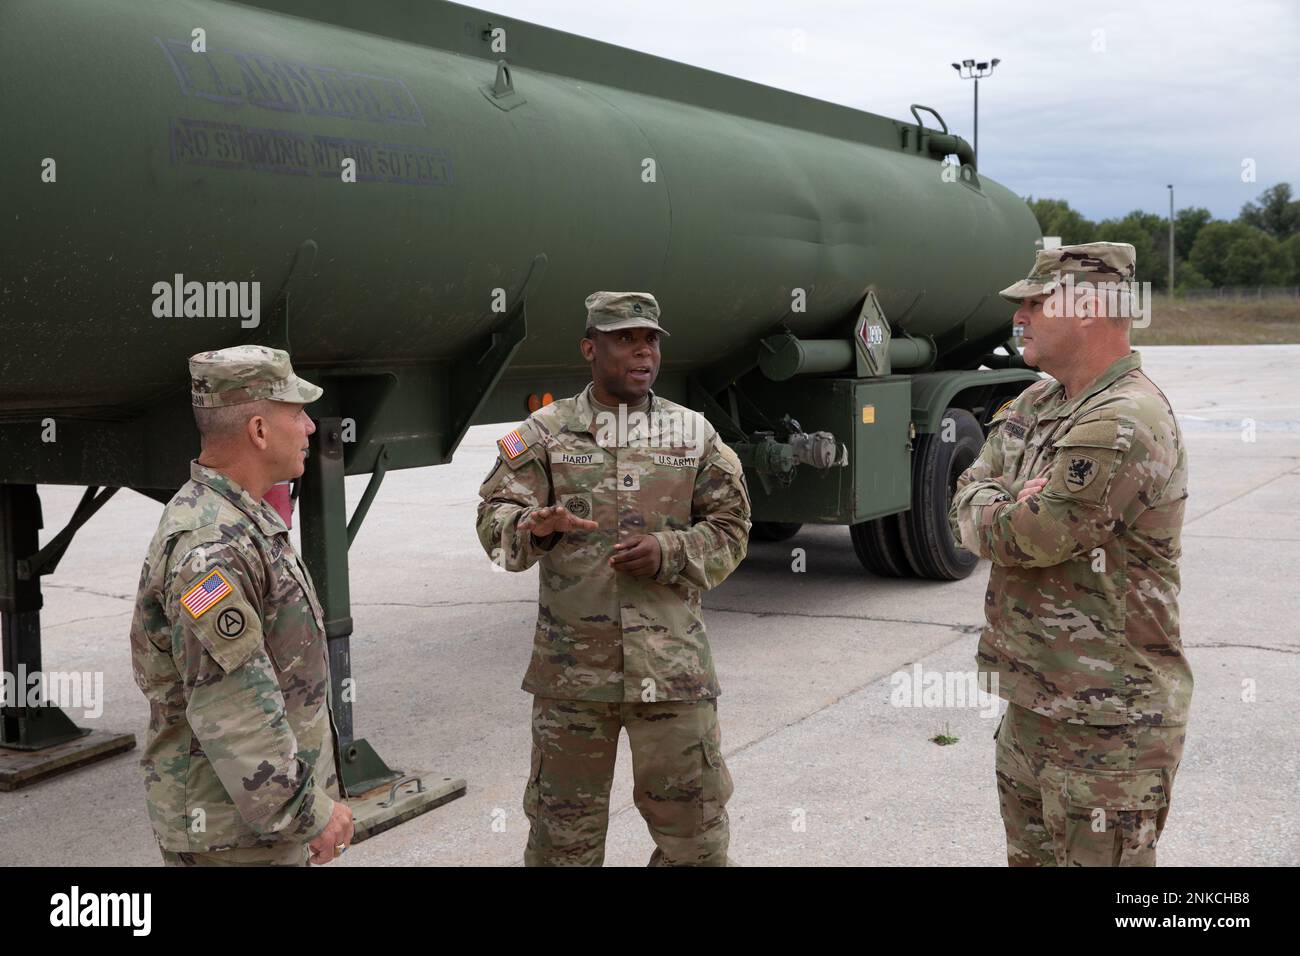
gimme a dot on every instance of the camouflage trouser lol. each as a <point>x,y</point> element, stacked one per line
<point>681,783</point>
<point>289,854</point>
<point>1079,795</point>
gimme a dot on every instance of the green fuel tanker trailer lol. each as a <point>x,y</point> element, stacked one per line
<point>414,199</point>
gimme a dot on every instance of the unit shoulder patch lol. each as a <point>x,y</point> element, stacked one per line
<point>231,623</point>
<point>1080,470</point>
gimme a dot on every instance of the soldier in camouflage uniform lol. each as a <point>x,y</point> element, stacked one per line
<point>228,643</point>
<point>1077,498</point>
<point>632,505</point>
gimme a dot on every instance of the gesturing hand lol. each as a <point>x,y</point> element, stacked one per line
<point>639,556</point>
<point>545,522</point>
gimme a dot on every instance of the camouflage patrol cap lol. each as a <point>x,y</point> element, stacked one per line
<point>246,373</point>
<point>1095,262</point>
<point>610,311</point>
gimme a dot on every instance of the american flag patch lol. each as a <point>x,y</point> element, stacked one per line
<point>206,593</point>
<point>512,446</point>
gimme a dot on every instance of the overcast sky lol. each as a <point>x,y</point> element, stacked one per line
<point>1097,103</point>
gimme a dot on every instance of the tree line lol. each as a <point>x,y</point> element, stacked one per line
<point>1261,247</point>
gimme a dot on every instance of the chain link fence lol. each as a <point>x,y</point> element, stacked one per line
<point>1243,292</point>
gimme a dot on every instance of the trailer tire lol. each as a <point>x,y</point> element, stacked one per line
<point>936,465</point>
<point>879,546</point>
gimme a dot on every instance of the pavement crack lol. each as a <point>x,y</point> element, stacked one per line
<point>84,590</point>
<point>1248,491</point>
<point>433,604</point>
<point>1253,647</point>
<point>78,620</point>
<point>960,628</point>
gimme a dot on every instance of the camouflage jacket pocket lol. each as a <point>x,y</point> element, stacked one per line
<point>295,634</point>
<point>580,477</point>
<point>671,486</point>
<point>1012,429</point>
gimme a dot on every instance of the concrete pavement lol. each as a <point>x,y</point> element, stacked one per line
<point>826,770</point>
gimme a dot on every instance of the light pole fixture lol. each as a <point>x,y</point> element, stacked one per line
<point>1170,187</point>
<point>970,70</point>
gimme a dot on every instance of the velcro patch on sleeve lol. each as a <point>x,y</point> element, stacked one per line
<point>210,591</point>
<point>1080,470</point>
<point>231,634</point>
<point>1098,433</point>
<point>1083,472</point>
<point>521,446</point>
<point>513,445</point>
<point>726,459</point>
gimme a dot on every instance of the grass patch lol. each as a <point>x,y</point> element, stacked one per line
<point>945,738</point>
<point>1267,321</point>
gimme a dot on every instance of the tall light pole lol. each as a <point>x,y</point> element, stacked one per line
<point>1171,240</point>
<point>970,70</point>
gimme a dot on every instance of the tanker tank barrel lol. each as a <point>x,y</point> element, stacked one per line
<point>906,351</point>
<point>784,356</point>
<point>438,150</point>
<point>417,217</point>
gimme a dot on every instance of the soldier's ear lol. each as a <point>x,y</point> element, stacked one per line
<point>1087,304</point>
<point>257,429</point>
<point>588,348</point>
